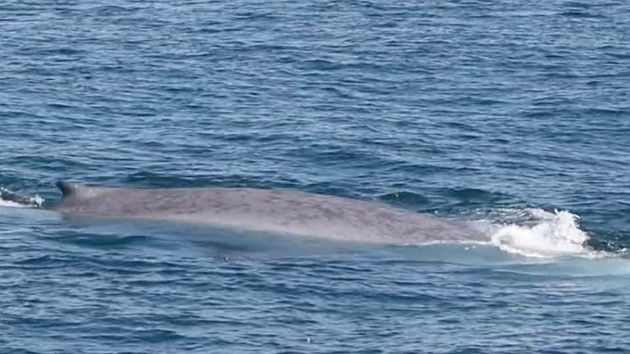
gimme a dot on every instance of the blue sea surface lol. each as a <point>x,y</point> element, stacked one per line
<point>512,115</point>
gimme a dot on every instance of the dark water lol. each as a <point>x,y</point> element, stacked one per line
<point>497,112</point>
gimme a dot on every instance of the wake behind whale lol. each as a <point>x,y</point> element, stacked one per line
<point>274,211</point>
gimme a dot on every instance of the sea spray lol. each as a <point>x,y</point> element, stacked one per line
<point>13,200</point>
<point>545,235</point>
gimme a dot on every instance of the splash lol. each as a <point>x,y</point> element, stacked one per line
<point>543,235</point>
<point>13,200</point>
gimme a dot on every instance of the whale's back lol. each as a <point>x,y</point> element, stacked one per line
<point>277,211</point>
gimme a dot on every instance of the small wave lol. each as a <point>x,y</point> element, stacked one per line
<point>538,233</point>
<point>14,200</point>
<point>405,198</point>
<point>472,195</point>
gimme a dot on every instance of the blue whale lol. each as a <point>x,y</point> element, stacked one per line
<point>267,210</point>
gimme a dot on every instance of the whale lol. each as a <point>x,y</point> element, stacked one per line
<point>275,211</point>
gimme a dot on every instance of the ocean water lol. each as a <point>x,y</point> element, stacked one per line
<point>513,116</point>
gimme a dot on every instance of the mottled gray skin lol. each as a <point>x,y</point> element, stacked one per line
<point>275,211</point>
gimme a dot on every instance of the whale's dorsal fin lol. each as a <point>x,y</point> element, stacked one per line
<point>68,189</point>
<point>78,191</point>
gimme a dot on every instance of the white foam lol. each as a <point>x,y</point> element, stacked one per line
<point>11,200</point>
<point>543,235</point>
<point>10,204</point>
